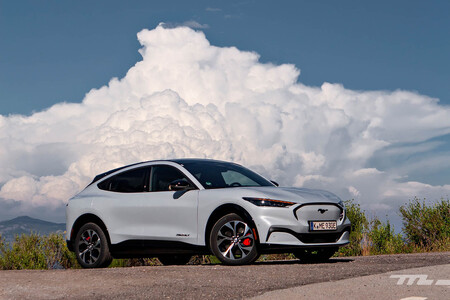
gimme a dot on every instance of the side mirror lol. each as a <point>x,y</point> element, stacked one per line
<point>275,183</point>
<point>180,185</point>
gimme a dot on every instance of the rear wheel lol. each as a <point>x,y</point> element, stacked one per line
<point>91,247</point>
<point>315,255</point>
<point>232,240</point>
<point>174,259</point>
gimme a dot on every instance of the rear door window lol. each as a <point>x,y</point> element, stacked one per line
<point>163,175</point>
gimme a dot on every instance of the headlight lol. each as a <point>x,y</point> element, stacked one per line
<point>268,202</point>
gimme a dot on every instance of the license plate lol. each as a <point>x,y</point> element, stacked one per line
<point>322,225</point>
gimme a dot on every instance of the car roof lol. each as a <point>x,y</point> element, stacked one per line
<point>183,161</point>
<point>180,161</point>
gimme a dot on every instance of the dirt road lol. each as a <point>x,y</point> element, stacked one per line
<point>199,282</point>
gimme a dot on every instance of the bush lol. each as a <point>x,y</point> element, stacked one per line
<point>36,252</point>
<point>358,236</point>
<point>370,238</point>
<point>383,240</point>
<point>2,250</point>
<point>427,226</point>
<point>56,252</point>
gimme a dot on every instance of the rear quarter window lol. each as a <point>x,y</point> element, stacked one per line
<point>132,181</point>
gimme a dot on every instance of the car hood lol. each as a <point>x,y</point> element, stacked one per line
<point>298,195</point>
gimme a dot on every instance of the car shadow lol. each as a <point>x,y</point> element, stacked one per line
<point>299,262</point>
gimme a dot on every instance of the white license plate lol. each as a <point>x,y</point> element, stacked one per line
<point>322,225</point>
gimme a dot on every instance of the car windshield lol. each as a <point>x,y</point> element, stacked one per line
<point>214,175</point>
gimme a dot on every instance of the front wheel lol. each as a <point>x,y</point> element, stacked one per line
<point>315,255</point>
<point>232,240</point>
<point>91,247</point>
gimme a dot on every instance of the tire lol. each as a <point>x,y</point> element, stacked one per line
<point>91,247</point>
<point>315,255</point>
<point>174,259</point>
<point>232,240</point>
<point>107,262</point>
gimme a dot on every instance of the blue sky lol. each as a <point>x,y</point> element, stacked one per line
<point>382,147</point>
<point>55,51</point>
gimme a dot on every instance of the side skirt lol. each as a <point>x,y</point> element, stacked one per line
<point>151,248</point>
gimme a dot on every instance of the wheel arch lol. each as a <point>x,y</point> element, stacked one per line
<point>88,218</point>
<point>226,209</point>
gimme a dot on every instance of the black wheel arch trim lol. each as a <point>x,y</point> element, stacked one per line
<point>84,219</point>
<point>225,209</point>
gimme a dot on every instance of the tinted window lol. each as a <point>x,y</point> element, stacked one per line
<point>133,181</point>
<point>235,178</point>
<point>162,176</point>
<point>221,175</point>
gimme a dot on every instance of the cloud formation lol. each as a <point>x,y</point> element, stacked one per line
<point>187,98</point>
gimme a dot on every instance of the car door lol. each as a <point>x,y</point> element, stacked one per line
<point>172,215</point>
<point>140,206</point>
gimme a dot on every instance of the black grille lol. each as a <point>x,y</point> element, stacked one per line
<point>310,238</point>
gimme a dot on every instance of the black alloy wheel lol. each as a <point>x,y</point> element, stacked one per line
<point>91,247</point>
<point>233,241</point>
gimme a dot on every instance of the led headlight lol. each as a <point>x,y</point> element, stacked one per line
<point>268,202</point>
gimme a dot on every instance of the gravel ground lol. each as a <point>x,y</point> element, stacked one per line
<point>434,283</point>
<point>205,281</point>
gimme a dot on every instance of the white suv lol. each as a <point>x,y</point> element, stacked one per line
<point>174,209</point>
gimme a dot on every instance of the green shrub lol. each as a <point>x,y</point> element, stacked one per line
<point>56,252</point>
<point>370,238</point>
<point>2,250</point>
<point>37,252</point>
<point>427,226</point>
<point>383,240</point>
<point>25,253</point>
<point>358,236</point>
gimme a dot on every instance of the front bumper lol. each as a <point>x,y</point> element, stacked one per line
<point>291,227</point>
<point>284,236</point>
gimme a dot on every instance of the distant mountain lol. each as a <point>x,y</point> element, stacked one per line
<point>24,225</point>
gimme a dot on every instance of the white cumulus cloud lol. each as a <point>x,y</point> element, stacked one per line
<point>187,98</point>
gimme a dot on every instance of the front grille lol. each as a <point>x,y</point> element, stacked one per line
<point>318,212</point>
